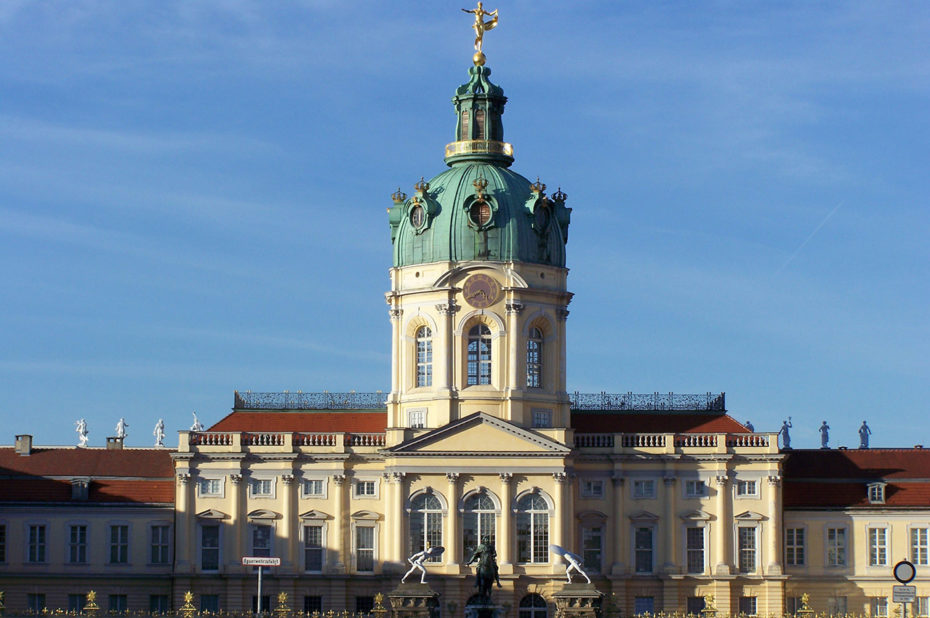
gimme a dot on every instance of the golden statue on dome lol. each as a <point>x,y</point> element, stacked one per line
<point>480,27</point>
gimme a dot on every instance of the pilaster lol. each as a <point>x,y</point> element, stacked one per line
<point>452,541</point>
<point>340,534</point>
<point>618,527</point>
<point>506,541</point>
<point>723,529</point>
<point>775,526</point>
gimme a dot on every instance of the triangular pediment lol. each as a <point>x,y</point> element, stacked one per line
<point>749,516</point>
<point>313,515</point>
<point>644,517</point>
<point>263,514</point>
<point>481,434</point>
<point>212,514</point>
<point>697,515</point>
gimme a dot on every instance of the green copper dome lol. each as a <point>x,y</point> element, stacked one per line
<point>479,209</point>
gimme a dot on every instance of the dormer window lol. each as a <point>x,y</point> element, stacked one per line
<point>876,493</point>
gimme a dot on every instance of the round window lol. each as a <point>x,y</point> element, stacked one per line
<point>480,213</point>
<point>417,217</point>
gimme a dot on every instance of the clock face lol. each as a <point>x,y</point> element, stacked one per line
<point>481,291</point>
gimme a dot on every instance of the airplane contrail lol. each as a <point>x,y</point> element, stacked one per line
<point>808,239</point>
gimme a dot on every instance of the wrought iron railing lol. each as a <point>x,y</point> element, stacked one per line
<point>309,401</point>
<point>709,402</point>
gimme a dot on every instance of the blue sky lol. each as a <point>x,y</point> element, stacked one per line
<point>193,195</point>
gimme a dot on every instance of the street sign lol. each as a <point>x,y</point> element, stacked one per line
<point>903,594</point>
<point>904,572</point>
<point>260,561</point>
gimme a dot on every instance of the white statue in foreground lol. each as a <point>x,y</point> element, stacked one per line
<point>416,561</point>
<point>574,562</point>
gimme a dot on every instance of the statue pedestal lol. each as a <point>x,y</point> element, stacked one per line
<point>578,601</point>
<point>483,609</point>
<point>414,601</point>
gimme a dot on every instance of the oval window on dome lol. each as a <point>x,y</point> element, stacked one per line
<point>480,213</point>
<point>417,217</point>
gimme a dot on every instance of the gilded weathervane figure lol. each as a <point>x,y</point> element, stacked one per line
<point>480,26</point>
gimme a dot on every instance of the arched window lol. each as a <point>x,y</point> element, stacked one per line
<point>533,606</point>
<point>466,129</point>
<point>479,124</point>
<point>534,363</point>
<point>478,521</point>
<point>532,529</point>
<point>479,355</point>
<point>424,356</point>
<point>425,524</point>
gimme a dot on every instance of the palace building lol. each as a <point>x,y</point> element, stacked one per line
<point>666,497</point>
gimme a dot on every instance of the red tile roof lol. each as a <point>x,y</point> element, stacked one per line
<point>350,421</point>
<point>655,422</point>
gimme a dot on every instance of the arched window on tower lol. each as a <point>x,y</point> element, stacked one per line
<point>479,124</point>
<point>534,362</point>
<point>466,129</point>
<point>533,606</point>
<point>478,522</point>
<point>479,355</point>
<point>532,529</point>
<point>425,524</point>
<point>424,356</point>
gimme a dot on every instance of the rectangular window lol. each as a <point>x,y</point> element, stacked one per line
<point>2,543</point>
<point>313,603</point>
<point>877,493</point>
<point>160,545</point>
<point>210,487</point>
<point>747,550</point>
<point>210,603</point>
<point>77,544</point>
<point>879,606</point>
<point>921,606</point>
<point>364,605</point>
<point>592,488</point>
<point>644,489</point>
<point>695,606</point>
<point>644,605</point>
<point>878,547</point>
<point>158,603</point>
<point>479,356</point>
<point>794,546</point>
<point>209,548</point>
<point>117,603</point>
<point>416,419</point>
<point>35,602</point>
<point>695,489</point>
<point>37,545</point>
<point>792,605</point>
<point>747,606</point>
<point>364,548</point>
<point>836,606</point>
<point>313,548</point>
<point>119,544</point>
<point>75,603</point>
<point>542,418</point>
<point>364,489</point>
<point>695,549</point>
<point>746,488</point>
<point>261,540</point>
<point>836,547</point>
<point>534,361</point>
<point>643,549</point>
<point>919,546</point>
<point>262,488</point>
<point>424,357</point>
<point>592,542</point>
<point>313,488</point>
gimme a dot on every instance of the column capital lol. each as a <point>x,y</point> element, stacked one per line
<point>235,478</point>
<point>395,314</point>
<point>288,479</point>
<point>452,477</point>
<point>339,479</point>
<point>393,477</point>
<point>669,481</point>
<point>774,480</point>
<point>562,313</point>
<point>722,479</point>
<point>506,477</point>
<point>515,307</point>
<point>449,308</point>
<point>617,479</point>
<point>184,478</point>
<point>560,477</point>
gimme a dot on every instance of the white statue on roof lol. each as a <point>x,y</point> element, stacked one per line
<point>81,427</point>
<point>159,432</point>
<point>785,436</point>
<point>197,426</point>
<point>574,562</point>
<point>121,427</point>
<point>864,433</point>
<point>824,435</point>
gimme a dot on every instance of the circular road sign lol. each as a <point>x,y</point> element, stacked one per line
<point>904,571</point>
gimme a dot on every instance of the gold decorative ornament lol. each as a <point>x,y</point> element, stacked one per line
<point>398,196</point>
<point>538,187</point>
<point>422,186</point>
<point>480,27</point>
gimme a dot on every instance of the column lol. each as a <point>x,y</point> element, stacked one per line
<point>239,522</point>
<point>618,526</point>
<point>506,539</point>
<point>395,349</point>
<point>562,507</point>
<point>452,540</point>
<point>671,525</point>
<point>562,315</point>
<point>444,354</point>
<point>513,326</point>
<point>395,530</point>
<point>775,527</point>
<point>724,526</point>
<point>289,533</point>
<point>185,522</point>
<point>339,533</point>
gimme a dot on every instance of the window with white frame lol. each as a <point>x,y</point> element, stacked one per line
<point>837,606</point>
<point>643,548</point>
<point>534,358</point>
<point>158,551</point>
<point>747,606</point>
<point>77,544</point>
<point>695,489</point>
<point>747,489</point>
<point>592,543</point>
<point>694,543</point>
<point>425,524</point>
<point>119,544</point>
<point>364,548</point>
<point>37,544</point>
<point>542,418</point>
<point>794,547</point>
<point>261,488</point>
<point>921,606</point>
<point>365,488</point>
<point>479,519</point>
<point>314,488</point>
<point>261,539</point>
<point>879,606</point>
<point>592,488</point>
<point>532,529</point>
<point>313,548</point>
<point>746,539</point>
<point>424,356</point>
<point>210,487</point>
<point>919,546</point>
<point>836,547</point>
<point>479,355</point>
<point>876,493</point>
<point>416,419</point>
<point>210,547</point>
<point>644,489</point>
<point>878,546</point>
